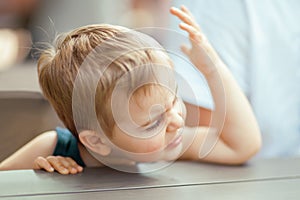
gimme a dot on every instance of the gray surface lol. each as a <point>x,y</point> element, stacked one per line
<point>258,190</point>
<point>23,115</point>
<point>22,77</point>
<point>30,183</point>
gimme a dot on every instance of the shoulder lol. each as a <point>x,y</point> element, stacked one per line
<point>67,146</point>
<point>45,141</point>
<point>48,136</point>
<point>65,141</point>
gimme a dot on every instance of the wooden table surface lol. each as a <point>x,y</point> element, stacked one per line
<point>259,179</point>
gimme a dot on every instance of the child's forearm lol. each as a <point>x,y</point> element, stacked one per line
<point>233,116</point>
<point>42,145</point>
<point>234,135</point>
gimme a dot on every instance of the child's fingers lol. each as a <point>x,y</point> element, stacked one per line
<point>75,167</point>
<point>69,164</point>
<point>185,16</point>
<point>63,165</point>
<point>42,163</point>
<point>57,164</point>
<point>181,15</point>
<point>187,11</point>
<point>194,34</point>
<point>185,49</point>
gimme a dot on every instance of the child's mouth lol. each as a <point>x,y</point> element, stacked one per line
<point>174,143</point>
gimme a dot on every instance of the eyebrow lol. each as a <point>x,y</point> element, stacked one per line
<point>159,115</point>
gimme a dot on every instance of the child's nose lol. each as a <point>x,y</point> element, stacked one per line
<point>175,121</point>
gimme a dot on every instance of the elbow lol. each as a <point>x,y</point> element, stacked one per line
<point>255,144</point>
<point>249,150</point>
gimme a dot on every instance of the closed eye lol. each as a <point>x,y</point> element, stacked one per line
<point>155,124</point>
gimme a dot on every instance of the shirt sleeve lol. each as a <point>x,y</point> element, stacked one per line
<point>67,146</point>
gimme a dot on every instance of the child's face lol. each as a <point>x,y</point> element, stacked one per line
<point>158,119</point>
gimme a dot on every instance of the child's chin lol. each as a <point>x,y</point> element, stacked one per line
<point>168,154</point>
<point>173,154</point>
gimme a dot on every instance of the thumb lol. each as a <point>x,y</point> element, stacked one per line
<point>185,49</point>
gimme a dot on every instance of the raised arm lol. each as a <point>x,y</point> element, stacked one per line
<point>235,130</point>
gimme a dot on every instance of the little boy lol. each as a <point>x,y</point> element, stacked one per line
<point>113,89</point>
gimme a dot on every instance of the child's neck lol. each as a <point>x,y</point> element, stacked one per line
<point>87,158</point>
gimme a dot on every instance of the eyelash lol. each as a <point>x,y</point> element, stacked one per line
<point>157,123</point>
<point>175,101</point>
<point>154,126</point>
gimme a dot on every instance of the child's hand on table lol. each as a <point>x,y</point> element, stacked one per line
<point>63,165</point>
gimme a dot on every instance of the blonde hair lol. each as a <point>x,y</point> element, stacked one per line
<point>58,68</point>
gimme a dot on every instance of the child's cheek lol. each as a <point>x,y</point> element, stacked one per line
<point>154,144</point>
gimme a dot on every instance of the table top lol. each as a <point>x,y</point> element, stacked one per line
<point>275,189</point>
<point>259,179</point>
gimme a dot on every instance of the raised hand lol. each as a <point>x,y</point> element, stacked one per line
<point>201,53</point>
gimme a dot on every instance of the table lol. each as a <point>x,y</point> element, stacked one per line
<point>259,179</point>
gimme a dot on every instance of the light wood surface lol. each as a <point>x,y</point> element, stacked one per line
<point>181,180</point>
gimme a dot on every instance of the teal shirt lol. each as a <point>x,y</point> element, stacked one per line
<point>67,146</point>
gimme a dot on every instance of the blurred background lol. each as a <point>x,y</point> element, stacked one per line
<point>26,23</point>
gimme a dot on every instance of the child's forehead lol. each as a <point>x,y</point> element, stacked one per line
<point>152,94</point>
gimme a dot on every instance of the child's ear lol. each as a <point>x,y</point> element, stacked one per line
<point>94,142</point>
